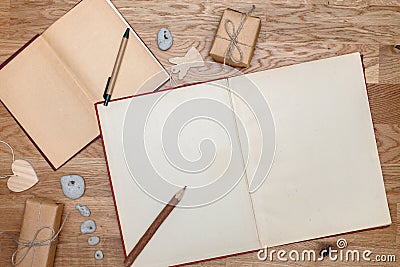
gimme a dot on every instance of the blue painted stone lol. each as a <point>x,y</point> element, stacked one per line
<point>98,255</point>
<point>164,39</point>
<point>83,209</point>
<point>73,186</point>
<point>93,240</point>
<point>88,227</point>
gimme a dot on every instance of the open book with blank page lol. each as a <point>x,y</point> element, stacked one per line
<point>299,166</point>
<point>50,87</point>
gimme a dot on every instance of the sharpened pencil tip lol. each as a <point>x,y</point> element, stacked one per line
<point>126,34</point>
<point>180,193</point>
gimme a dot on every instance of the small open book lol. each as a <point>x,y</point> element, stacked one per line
<point>50,87</point>
<point>315,147</point>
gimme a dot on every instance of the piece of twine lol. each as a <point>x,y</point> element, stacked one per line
<point>12,154</point>
<point>25,245</point>
<point>233,35</point>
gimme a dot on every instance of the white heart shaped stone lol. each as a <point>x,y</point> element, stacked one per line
<point>24,176</point>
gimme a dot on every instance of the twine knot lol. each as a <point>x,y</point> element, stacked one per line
<point>233,35</point>
<point>24,245</point>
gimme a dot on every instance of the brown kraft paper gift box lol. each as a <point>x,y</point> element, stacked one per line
<point>246,38</point>
<point>39,212</point>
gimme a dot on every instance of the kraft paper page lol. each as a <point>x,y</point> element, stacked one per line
<point>48,104</point>
<point>88,42</point>
<point>52,85</point>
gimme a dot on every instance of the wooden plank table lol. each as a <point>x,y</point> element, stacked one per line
<point>292,32</point>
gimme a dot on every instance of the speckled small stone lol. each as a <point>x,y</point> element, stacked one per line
<point>88,227</point>
<point>164,39</point>
<point>83,209</point>
<point>93,240</point>
<point>98,255</point>
<point>73,186</point>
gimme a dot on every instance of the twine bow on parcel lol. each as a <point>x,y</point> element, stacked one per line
<point>233,35</point>
<point>26,245</point>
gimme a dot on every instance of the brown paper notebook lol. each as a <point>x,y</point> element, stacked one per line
<point>51,85</point>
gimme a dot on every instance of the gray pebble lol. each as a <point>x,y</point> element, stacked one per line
<point>73,186</point>
<point>83,209</point>
<point>88,227</point>
<point>93,240</point>
<point>164,39</point>
<point>98,255</point>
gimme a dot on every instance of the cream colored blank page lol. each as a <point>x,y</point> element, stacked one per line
<point>326,177</point>
<point>87,39</point>
<point>225,227</point>
<point>49,105</point>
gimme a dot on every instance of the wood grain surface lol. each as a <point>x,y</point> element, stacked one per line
<point>293,31</point>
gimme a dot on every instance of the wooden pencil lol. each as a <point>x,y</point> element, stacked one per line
<point>154,227</point>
